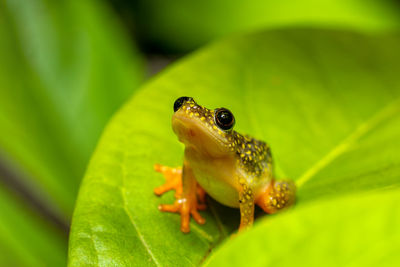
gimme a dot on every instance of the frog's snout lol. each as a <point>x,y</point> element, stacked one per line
<point>182,127</point>
<point>185,132</point>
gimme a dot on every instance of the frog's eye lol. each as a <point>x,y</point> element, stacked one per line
<point>179,102</point>
<point>224,119</point>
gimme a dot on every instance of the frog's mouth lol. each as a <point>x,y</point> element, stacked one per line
<point>194,133</point>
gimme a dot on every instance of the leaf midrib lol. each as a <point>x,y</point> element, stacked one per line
<point>385,113</point>
<point>125,205</point>
<point>203,235</point>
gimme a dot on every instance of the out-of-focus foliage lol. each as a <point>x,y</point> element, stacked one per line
<point>26,239</point>
<point>66,66</point>
<point>181,25</point>
<point>327,102</point>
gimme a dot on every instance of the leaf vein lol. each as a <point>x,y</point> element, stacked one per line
<point>140,235</point>
<point>385,113</point>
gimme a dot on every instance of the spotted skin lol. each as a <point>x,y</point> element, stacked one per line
<point>254,156</point>
<point>235,169</point>
<point>205,115</point>
<point>281,195</point>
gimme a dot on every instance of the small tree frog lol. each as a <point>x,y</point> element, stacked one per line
<point>234,169</point>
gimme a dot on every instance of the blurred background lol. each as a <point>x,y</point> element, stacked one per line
<point>67,66</point>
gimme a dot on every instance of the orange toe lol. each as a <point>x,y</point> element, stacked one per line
<point>168,208</point>
<point>197,217</point>
<point>201,194</point>
<point>186,209</point>
<point>187,205</point>
<point>173,180</point>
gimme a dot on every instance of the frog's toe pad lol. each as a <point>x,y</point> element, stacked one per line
<point>197,217</point>
<point>168,208</point>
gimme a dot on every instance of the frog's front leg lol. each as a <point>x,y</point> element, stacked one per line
<point>187,193</point>
<point>246,205</point>
<point>173,180</point>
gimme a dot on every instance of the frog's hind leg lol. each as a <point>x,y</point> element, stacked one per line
<point>277,195</point>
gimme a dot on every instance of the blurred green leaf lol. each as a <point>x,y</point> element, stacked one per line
<point>351,231</point>
<point>327,102</point>
<point>25,238</point>
<point>181,25</point>
<point>66,67</point>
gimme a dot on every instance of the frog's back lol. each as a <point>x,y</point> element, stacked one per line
<point>253,157</point>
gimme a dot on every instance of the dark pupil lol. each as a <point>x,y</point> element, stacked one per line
<point>225,119</point>
<point>179,102</point>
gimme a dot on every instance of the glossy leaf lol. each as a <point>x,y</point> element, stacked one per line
<point>65,68</point>
<point>360,230</point>
<point>181,25</point>
<point>327,102</point>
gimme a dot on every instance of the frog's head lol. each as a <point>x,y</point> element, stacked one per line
<point>207,131</point>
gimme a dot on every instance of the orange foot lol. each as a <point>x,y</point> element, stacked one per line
<point>187,205</point>
<point>173,181</point>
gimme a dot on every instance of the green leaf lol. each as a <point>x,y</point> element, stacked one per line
<point>25,238</point>
<point>327,102</point>
<point>360,230</point>
<point>181,25</point>
<point>66,67</point>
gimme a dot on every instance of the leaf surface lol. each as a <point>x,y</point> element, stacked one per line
<point>327,102</point>
<point>338,232</point>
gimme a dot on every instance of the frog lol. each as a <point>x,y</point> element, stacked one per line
<point>234,169</point>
